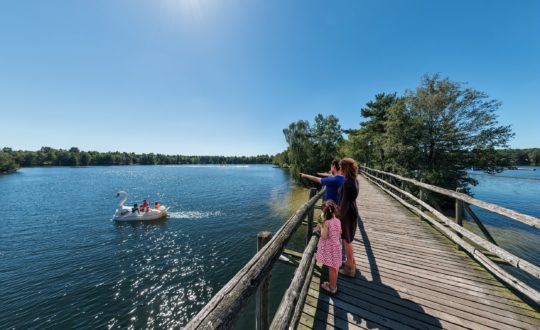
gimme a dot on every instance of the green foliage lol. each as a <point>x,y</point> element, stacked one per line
<point>7,163</point>
<point>366,145</point>
<point>435,133</point>
<point>281,159</point>
<point>312,149</point>
<point>47,156</point>
<point>520,157</point>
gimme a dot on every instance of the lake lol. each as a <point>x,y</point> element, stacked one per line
<point>64,263</point>
<point>518,190</point>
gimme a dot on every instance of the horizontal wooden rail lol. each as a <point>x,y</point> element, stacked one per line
<point>223,309</point>
<point>475,253</point>
<point>503,254</point>
<point>297,291</point>
<point>524,218</point>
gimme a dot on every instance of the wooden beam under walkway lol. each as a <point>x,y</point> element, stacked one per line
<point>411,277</point>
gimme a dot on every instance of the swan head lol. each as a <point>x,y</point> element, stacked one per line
<point>121,193</point>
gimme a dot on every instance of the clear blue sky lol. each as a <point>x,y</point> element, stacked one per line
<point>225,77</point>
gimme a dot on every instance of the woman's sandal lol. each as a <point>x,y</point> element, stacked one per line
<point>348,272</point>
<point>328,289</point>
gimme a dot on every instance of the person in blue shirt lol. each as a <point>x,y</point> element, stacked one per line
<point>333,181</point>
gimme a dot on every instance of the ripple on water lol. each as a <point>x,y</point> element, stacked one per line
<point>194,214</point>
<point>66,265</point>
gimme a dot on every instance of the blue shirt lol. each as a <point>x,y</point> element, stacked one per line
<point>332,183</point>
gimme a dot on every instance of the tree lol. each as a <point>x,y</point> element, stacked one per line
<point>443,128</point>
<point>301,147</point>
<point>366,144</point>
<point>7,163</point>
<point>327,136</point>
<point>311,149</point>
<point>281,159</point>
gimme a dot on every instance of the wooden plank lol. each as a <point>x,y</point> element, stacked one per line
<point>500,273</point>
<point>431,303</point>
<point>335,316</point>
<point>474,306</point>
<point>446,272</point>
<point>480,293</point>
<point>410,275</point>
<point>294,294</point>
<point>503,254</point>
<point>524,218</point>
<point>399,317</point>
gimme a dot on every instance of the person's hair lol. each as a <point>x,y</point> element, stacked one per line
<point>135,204</point>
<point>330,210</point>
<point>156,202</point>
<point>335,163</point>
<point>349,168</point>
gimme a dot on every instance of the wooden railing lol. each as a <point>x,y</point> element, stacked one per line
<point>224,308</point>
<point>399,188</point>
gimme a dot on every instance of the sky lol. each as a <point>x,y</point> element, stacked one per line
<point>211,77</point>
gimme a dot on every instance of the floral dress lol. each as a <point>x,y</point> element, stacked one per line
<point>329,249</point>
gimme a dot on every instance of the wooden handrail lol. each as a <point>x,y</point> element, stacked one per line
<point>503,254</point>
<point>223,309</point>
<point>524,218</point>
<point>474,252</point>
<point>295,295</point>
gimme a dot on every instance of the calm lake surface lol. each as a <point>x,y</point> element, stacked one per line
<point>64,263</point>
<point>518,190</point>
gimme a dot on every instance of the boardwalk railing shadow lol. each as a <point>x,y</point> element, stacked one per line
<point>370,303</point>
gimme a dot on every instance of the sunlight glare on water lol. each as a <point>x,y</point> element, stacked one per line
<point>66,264</point>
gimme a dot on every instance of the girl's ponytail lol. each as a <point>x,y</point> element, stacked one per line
<point>330,210</point>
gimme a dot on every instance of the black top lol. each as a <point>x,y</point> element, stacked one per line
<point>348,209</point>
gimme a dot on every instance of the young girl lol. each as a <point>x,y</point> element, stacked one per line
<point>329,248</point>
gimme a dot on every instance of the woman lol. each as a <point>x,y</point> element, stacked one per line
<point>349,213</point>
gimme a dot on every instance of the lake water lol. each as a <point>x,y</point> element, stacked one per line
<point>64,263</point>
<point>518,190</point>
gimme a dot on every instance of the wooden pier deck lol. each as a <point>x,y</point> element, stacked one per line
<point>411,276</point>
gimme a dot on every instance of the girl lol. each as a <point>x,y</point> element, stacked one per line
<point>329,248</point>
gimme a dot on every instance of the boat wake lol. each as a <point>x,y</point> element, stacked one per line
<point>194,214</point>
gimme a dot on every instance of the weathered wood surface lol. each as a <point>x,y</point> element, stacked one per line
<point>262,307</point>
<point>471,249</point>
<point>525,218</point>
<point>411,277</point>
<point>503,254</point>
<point>287,313</point>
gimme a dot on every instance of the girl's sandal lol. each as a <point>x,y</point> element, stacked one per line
<point>348,272</point>
<point>328,289</point>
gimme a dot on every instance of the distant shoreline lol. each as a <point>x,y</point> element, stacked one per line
<point>47,156</point>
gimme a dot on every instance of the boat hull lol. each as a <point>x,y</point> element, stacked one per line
<point>126,215</point>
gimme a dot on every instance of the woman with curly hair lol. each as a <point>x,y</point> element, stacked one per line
<point>349,213</point>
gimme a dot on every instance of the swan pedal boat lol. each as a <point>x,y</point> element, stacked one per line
<point>125,214</point>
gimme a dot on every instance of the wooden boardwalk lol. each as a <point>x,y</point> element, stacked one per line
<point>411,276</point>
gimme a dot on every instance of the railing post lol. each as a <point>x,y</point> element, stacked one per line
<point>262,307</point>
<point>459,213</point>
<point>309,232</point>
<point>421,196</point>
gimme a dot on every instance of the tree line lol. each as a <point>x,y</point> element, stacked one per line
<point>520,157</point>
<point>433,133</point>
<point>12,159</point>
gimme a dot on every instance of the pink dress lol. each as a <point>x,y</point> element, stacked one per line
<point>329,250</point>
